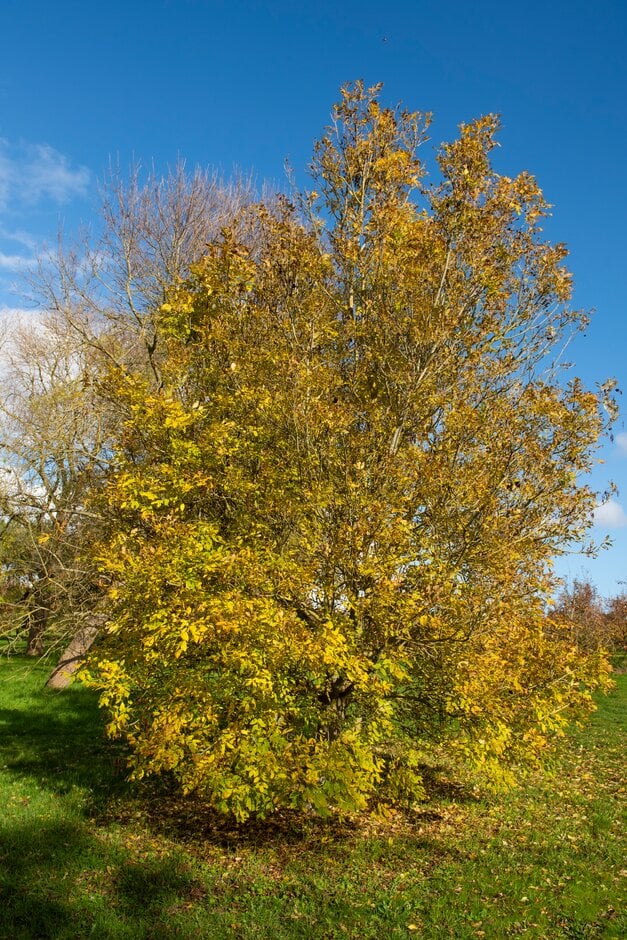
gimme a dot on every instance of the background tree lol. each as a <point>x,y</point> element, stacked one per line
<point>581,610</point>
<point>51,451</point>
<point>332,522</point>
<point>109,283</point>
<point>593,623</point>
<point>617,622</point>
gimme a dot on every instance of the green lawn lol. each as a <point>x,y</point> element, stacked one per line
<point>83,854</point>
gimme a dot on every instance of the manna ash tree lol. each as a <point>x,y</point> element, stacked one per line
<point>331,521</point>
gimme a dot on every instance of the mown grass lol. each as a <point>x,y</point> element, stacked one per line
<point>84,854</point>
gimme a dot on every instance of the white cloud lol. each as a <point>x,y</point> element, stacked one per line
<point>621,442</point>
<point>48,173</point>
<point>32,172</point>
<point>610,515</point>
<point>19,236</point>
<point>14,262</point>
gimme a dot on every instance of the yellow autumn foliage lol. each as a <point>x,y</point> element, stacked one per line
<point>331,523</point>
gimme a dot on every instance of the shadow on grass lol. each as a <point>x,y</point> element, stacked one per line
<point>187,820</point>
<point>57,880</point>
<point>64,871</point>
<point>60,875</point>
<point>58,741</point>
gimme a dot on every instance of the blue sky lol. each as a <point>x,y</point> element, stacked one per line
<point>250,84</point>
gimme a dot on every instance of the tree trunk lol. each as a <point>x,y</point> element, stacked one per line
<point>70,660</point>
<point>37,620</point>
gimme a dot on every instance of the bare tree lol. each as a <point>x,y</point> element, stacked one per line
<point>110,284</point>
<point>52,448</point>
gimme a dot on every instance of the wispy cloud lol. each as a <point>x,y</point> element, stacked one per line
<point>19,237</point>
<point>610,515</point>
<point>31,173</point>
<point>621,442</point>
<point>14,262</point>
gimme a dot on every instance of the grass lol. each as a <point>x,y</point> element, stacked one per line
<point>84,854</point>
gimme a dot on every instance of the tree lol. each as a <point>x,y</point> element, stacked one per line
<point>51,451</point>
<point>580,609</point>
<point>331,525</point>
<point>108,284</point>
<point>592,622</point>
<point>617,622</point>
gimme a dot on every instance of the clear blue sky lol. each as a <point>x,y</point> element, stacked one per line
<point>249,84</point>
